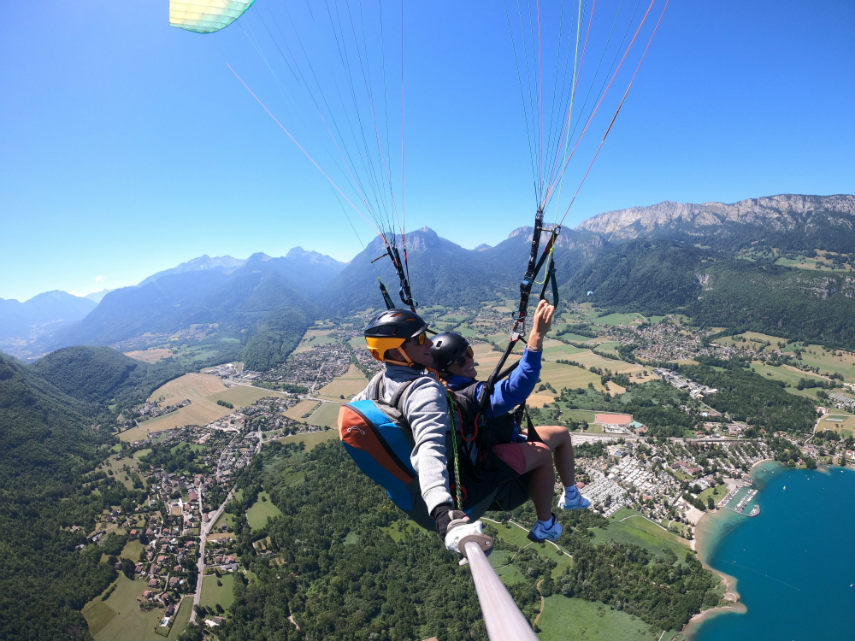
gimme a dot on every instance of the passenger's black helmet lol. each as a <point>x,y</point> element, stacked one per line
<point>390,328</point>
<point>447,349</point>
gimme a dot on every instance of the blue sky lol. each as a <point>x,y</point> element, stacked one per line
<point>128,146</point>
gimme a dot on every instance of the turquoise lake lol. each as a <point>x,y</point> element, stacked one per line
<point>794,562</point>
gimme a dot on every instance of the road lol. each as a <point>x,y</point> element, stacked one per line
<point>203,538</point>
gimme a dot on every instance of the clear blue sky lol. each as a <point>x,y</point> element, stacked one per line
<point>128,146</point>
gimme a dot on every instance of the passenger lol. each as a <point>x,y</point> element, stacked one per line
<point>532,454</point>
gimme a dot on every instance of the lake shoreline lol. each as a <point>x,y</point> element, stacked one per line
<point>709,530</point>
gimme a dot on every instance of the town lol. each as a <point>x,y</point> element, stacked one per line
<point>190,474</point>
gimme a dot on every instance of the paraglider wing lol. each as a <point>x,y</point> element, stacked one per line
<point>206,16</point>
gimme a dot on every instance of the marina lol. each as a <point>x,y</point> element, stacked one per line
<point>741,500</point>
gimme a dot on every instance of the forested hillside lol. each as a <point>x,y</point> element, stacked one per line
<point>48,447</point>
<point>346,565</point>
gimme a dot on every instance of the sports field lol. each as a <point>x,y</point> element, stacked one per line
<point>840,422</point>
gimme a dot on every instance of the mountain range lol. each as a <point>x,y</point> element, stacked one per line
<point>713,261</point>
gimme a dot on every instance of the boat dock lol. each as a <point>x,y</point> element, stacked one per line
<point>740,501</point>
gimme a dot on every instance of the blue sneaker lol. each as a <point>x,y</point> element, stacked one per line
<point>548,532</point>
<point>572,500</point>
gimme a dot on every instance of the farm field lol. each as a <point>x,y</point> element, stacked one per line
<point>315,338</point>
<point>120,617</point>
<point>311,439</point>
<point>203,391</point>
<point>301,410</point>
<point>152,355</point>
<point>347,385</point>
<point>326,415</point>
<point>621,319</point>
<point>560,375</point>
<point>789,376</point>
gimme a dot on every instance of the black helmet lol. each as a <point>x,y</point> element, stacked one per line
<point>390,328</point>
<point>448,348</point>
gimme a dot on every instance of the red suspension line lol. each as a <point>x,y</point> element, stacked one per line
<point>625,94</point>
<point>599,102</point>
<point>565,130</point>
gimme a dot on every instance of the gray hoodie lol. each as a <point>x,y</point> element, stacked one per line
<point>425,406</point>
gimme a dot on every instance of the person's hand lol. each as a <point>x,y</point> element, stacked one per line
<point>443,515</point>
<point>542,322</point>
<point>456,530</point>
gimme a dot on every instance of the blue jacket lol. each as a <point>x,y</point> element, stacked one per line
<point>511,391</point>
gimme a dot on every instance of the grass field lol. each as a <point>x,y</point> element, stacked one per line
<point>260,511</point>
<point>132,550</point>
<point>560,375</point>
<point>826,361</point>
<point>311,439</point>
<point>840,422</point>
<point>621,319</point>
<point>302,410</point>
<point>115,464</point>
<point>314,338</point>
<point>628,526</point>
<point>152,355</point>
<point>580,620</point>
<point>718,493</point>
<point>120,617</point>
<point>218,590</point>
<point>516,535</point>
<point>325,416</point>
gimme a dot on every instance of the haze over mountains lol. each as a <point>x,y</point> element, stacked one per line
<point>705,258</point>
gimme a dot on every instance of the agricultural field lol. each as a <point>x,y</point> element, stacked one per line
<point>120,617</point>
<point>325,416</point>
<point>345,386</point>
<point>829,361</point>
<point>789,376</point>
<point>311,439</point>
<point>302,410</point>
<point>315,338</point>
<point>560,376</point>
<point>621,319</point>
<point>203,391</point>
<point>152,355</point>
